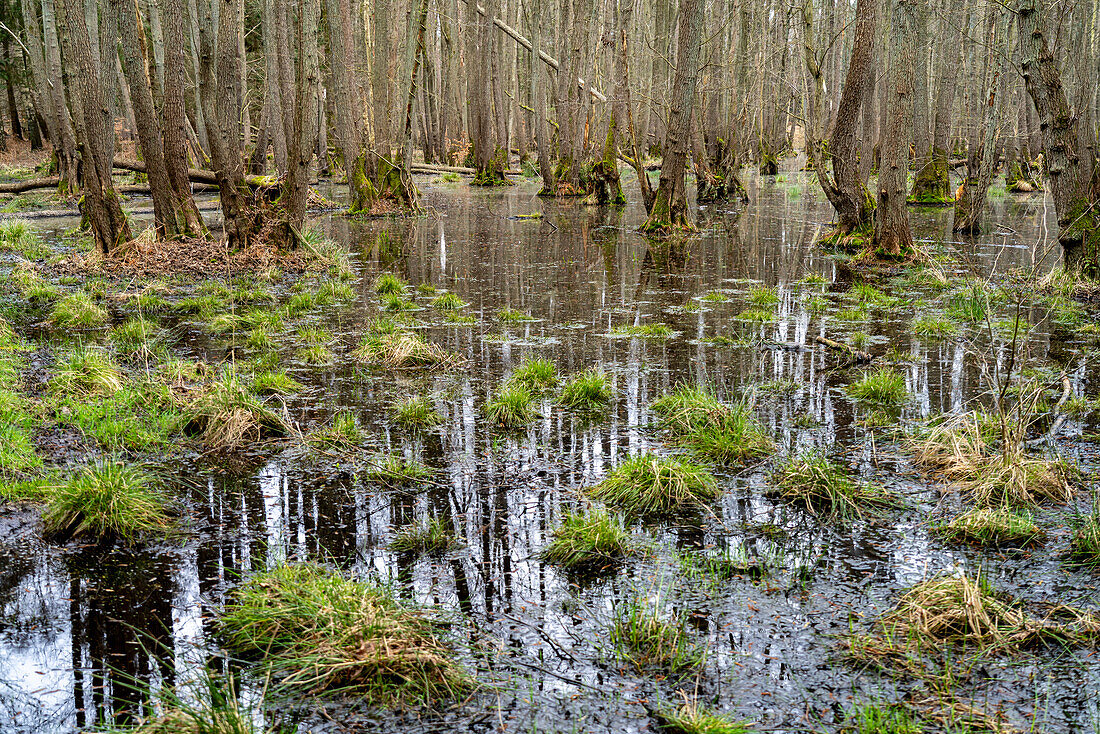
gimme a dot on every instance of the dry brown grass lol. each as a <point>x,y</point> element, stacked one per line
<point>960,450</point>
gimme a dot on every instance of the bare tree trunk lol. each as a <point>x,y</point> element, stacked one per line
<point>95,133</point>
<point>893,237</point>
<point>65,144</point>
<point>303,132</point>
<point>933,182</point>
<point>1076,196</point>
<point>669,209</point>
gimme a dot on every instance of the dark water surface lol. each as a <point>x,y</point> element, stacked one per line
<point>77,624</point>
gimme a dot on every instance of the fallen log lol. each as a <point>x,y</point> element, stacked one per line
<point>19,187</point>
<point>433,168</point>
<point>856,354</point>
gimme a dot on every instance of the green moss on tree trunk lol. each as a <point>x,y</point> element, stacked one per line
<point>932,186</point>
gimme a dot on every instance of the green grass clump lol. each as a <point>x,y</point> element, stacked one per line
<point>403,350</point>
<point>136,337</point>
<point>299,303</point>
<point>693,718</point>
<point>388,284</point>
<point>588,391</point>
<point>536,375</point>
<point>715,297</point>
<point>15,233</point>
<point>589,542</point>
<point>711,429</point>
<point>87,371</point>
<point>757,316</point>
<point>314,354</point>
<point>416,412</point>
<point>874,719</point>
<point>762,295</point>
<point>78,311</point>
<point>227,414</point>
<point>316,631</point>
<point>933,326</point>
<point>991,527</point>
<point>397,303</point>
<point>424,539</point>
<point>883,387</point>
<point>970,303</point>
<point>512,316</point>
<point>260,339</point>
<point>1084,547</point>
<point>648,485</point>
<point>274,382</point>
<point>647,639</point>
<point>448,302</point>
<point>17,424</point>
<point>140,415</point>
<point>341,433</point>
<point>644,331</point>
<point>824,488</point>
<point>513,407</point>
<point>393,470</point>
<point>107,499</point>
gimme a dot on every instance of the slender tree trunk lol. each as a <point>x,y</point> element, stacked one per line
<point>893,236</point>
<point>669,209</point>
<point>95,132</point>
<point>1076,197</point>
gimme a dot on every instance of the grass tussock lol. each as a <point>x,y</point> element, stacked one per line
<point>274,382</point>
<point>711,429</point>
<point>392,470</point>
<point>884,387</point>
<point>826,490</point>
<point>934,327</point>
<point>513,407</point>
<point>319,632</point>
<point>431,538</point>
<point>648,639</point>
<point>691,717</point>
<point>588,391</point>
<point>388,284</point>
<point>589,542</point>
<point>415,413</point>
<point>1000,526</point>
<point>78,311</point>
<point>872,718</point>
<point>342,433</point>
<point>87,371</point>
<point>398,349</point>
<point>960,610</point>
<point>1084,547</point>
<point>226,414</point>
<point>537,375</point>
<point>448,302</point>
<point>107,499</point>
<point>960,449</point>
<point>512,316</point>
<point>643,331</point>
<point>649,485</point>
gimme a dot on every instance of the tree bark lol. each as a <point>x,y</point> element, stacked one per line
<point>669,209</point>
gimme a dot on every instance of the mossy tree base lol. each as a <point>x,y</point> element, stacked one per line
<point>492,174</point>
<point>389,190</point>
<point>667,217</point>
<point>596,181</point>
<point>932,186</point>
<point>1081,241</point>
<point>1019,181</point>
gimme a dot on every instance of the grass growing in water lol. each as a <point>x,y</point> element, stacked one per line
<point>762,295</point>
<point>341,433</point>
<point>644,331</point>
<point>824,488</point>
<point>319,632</point>
<point>1084,547</point>
<point>960,449</point>
<point>647,639</point>
<point>535,374</point>
<point>449,302</point>
<point>226,415</point>
<point>970,303</point>
<point>933,326</point>
<point>589,542</point>
<point>991,527</point>
<point>314,354</point>
<point>513,407</point>
<point>588,391</point>
<point>78,311</point>
<point>415,412</point>
<point>431,538</point>
<point>874,719</point>
<point>512,316</point>
<point>693,718</point>
<point>883,387</point>
<point>388,284</point>
<point>403,350</point>
<point>392,470</point>
<point>87,371</point>
<point>274,382</point>
<point>649,485</point>
<point>106,499</point>
<point>711,429</point>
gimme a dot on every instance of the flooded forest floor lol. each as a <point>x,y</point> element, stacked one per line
<point>431,404</point>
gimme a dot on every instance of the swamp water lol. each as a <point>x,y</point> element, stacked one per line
<point>80,625</point>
